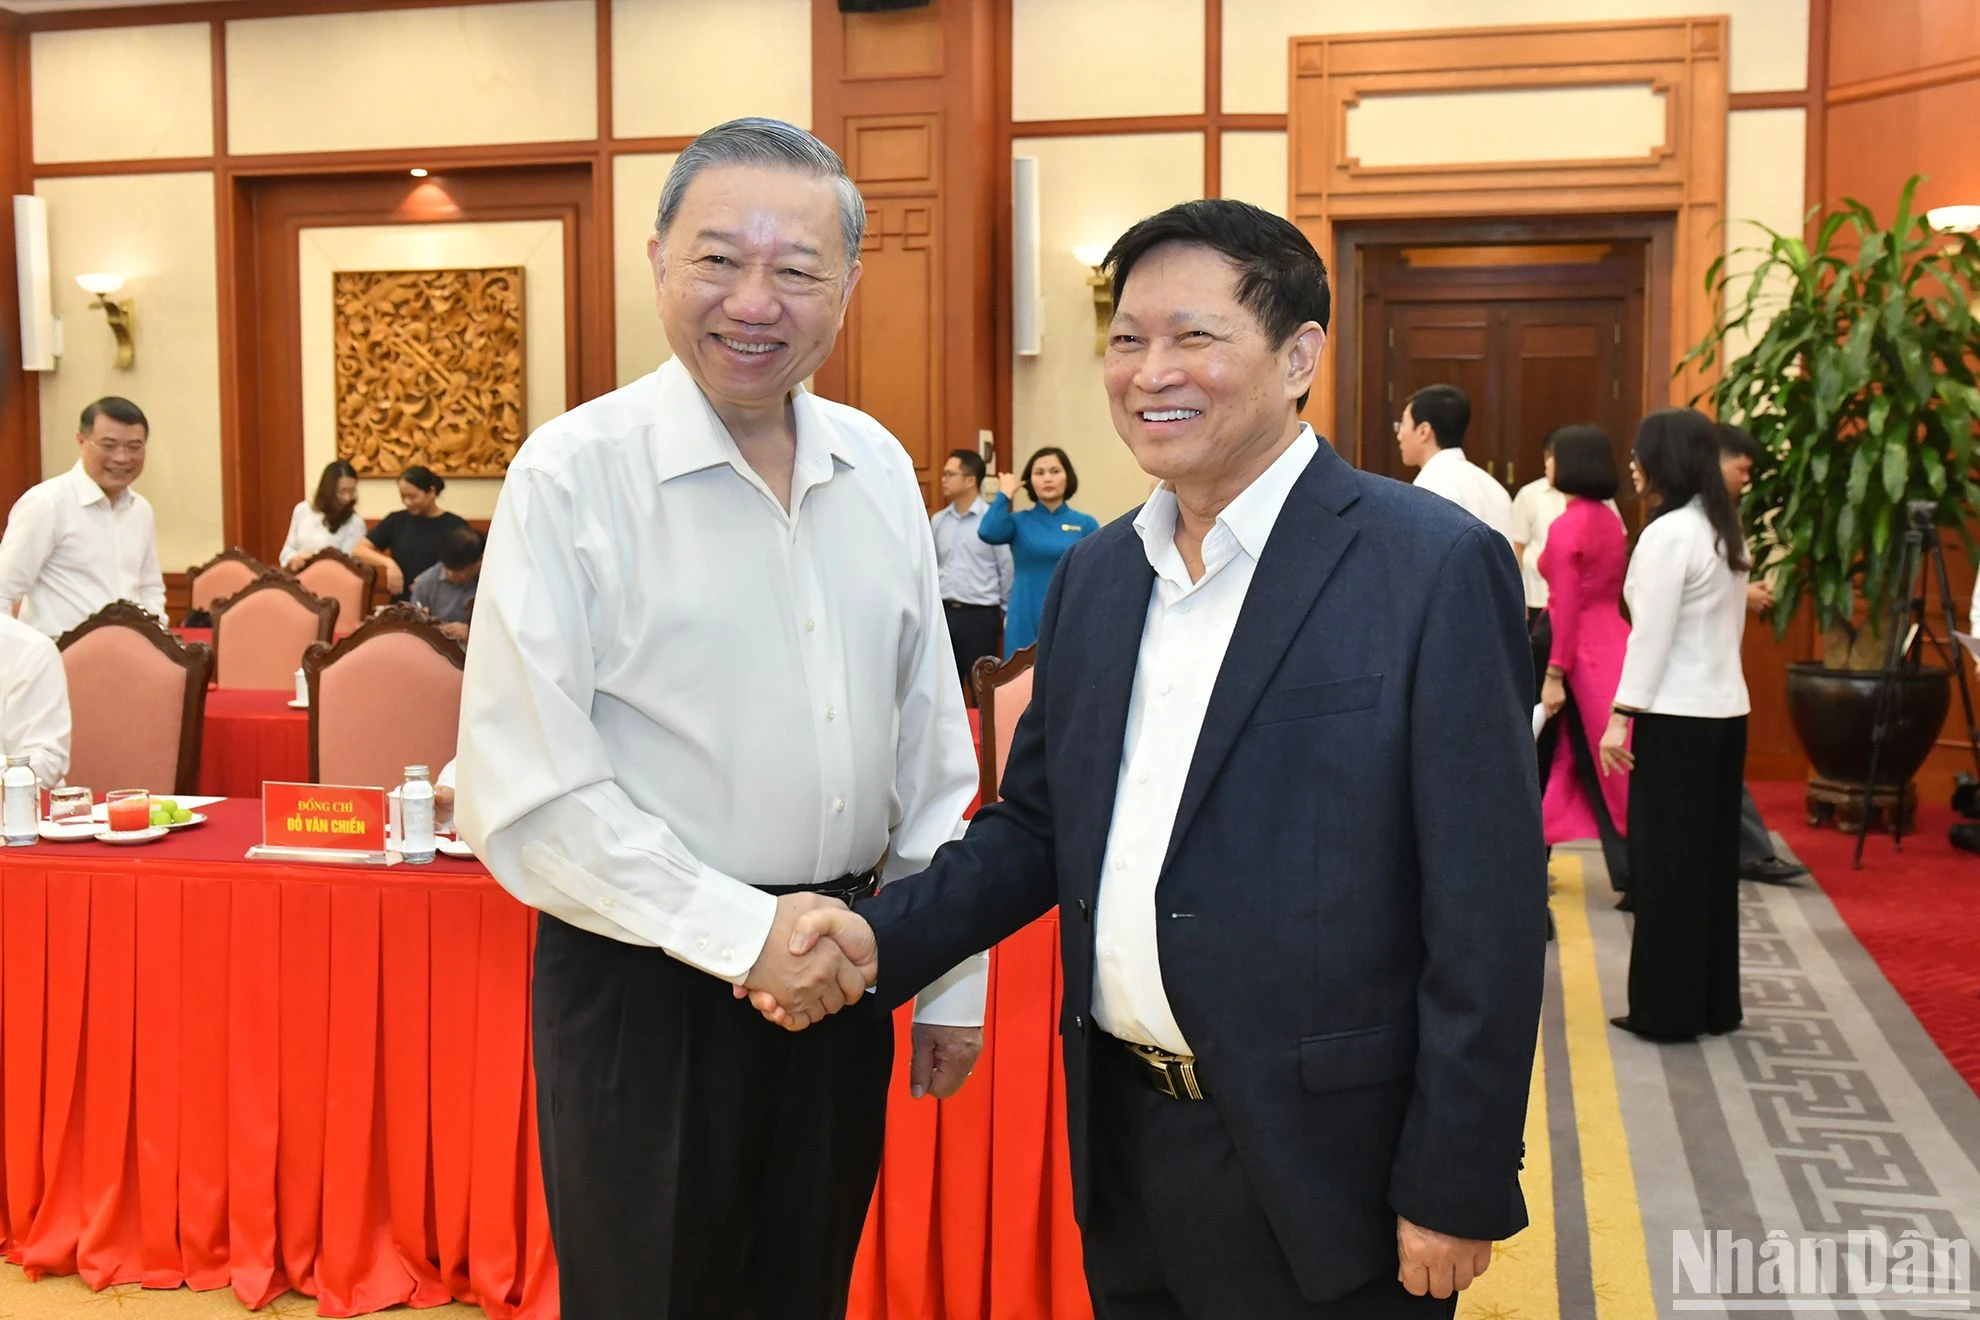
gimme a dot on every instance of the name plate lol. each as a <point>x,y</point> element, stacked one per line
<point>323,818</point>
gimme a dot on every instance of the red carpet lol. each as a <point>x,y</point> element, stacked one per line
<point>1916,911</point>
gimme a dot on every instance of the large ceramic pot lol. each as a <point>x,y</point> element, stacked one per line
<point>1835,710</point>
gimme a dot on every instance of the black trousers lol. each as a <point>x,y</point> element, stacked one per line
<point>1174,1231</point>
<point>698,1162</point>
<point>974,632</point>
<point>1684,858</point>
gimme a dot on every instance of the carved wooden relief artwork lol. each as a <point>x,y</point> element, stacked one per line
<point>429,370</point>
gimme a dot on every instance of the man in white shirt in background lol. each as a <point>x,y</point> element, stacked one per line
<point>80,541</point>
<point>1431,435</point>
<point>975,575</point>
<point>34,701</point>
<point>1534,509</point>
<point>710,681</point>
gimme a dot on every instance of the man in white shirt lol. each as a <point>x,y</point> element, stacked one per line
<point>710,681</point>
<point>1277,775</point>
<point>1431,435</point>
<point>34,701</point>
<point>1534,509</point>
<point>975,575</point>
<point>79,541</point>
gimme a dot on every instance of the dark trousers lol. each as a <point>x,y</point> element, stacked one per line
<point>1174,1231</point>
<point>974,632</point>
<point>1684,853</point>
<point>698,1162</point>
<point>1756,842</point>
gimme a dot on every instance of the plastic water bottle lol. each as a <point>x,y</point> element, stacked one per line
<point>416,816</point>
<point>20,809</point>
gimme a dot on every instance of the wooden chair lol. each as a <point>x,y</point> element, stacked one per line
<point>1003,690</point>
<point>261,631</point>
<point>137,702</point>
<point>222,576</point>
<point>385,697</point>
<point>334,575</point>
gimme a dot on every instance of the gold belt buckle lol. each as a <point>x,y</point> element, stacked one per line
<point>1168,1068</point>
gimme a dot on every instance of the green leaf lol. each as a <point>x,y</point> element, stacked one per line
<point>1897,466</point>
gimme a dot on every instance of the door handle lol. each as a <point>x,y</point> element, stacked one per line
<point>1488,468</point>
<point>1510,478</point>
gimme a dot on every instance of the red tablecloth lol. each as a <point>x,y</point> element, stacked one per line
<point>236,1074</point>
<point>252,737</point>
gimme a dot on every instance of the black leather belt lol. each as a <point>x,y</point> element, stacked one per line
<point>964,605</point>
<point>848,889</point>
<point>1174,1075</point>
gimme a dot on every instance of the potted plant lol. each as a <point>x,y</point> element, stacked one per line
<point>1857,381</point>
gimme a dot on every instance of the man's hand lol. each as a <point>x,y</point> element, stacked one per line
<point>1759,598</point>
<point>1436,1264</point>
<point>395,577</point>
<point>457,631</point>
<point>794,985</point>
<point>845,935</point>
<point>943,1057</point>
<point>1614,753</point>
<point>296,563</point>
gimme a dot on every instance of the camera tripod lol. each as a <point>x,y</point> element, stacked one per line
<point>1904,650</point>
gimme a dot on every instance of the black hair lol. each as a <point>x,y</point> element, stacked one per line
<point>1448,410</point>
<point>1735,443</point>
<point>117,410</point>
<point>1281,280</point>
<point>325,503</point>
<point>1679,456</point>
<point>1584,462</point>
<point>424,478</point>
<point>461,549</point>
<point>972,463</point>
<point>1072,477</point>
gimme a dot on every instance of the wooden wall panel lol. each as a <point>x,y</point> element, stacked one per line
<point>909,100</point>
<point>1874,39</point>
<point>1875,145</point>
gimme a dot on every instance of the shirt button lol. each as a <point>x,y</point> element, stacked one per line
<point>1163,689</point>
<point>831,712</point>
<point>701,943</point>
<point>811,625</point>
<point>1141,778</point>
<point>1120,863</point>
<point>606,902</point>
<point>1183,608</point>
<point>840,805</point>
<point>728,955</point>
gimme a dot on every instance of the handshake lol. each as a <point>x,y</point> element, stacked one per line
<point>820,956</point>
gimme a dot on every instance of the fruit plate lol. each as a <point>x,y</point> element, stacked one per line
<point>132,836</point>
<point>70,831</point>
<point>195,819</point>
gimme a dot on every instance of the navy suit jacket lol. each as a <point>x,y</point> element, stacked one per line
<point>1351,915</point>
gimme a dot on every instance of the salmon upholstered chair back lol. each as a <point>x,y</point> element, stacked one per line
<point>1003,690</point>
<point>261,632</point>
<point>222,576</point>
<point>137,702</point>
<point>334,575</point>
<point>385,697</point>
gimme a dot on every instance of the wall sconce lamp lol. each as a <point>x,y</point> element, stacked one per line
<point>1091,255</point>
<point>1954,219</point>
<point>101,286</point>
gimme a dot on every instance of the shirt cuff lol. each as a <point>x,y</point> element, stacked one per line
<point>958,998</point>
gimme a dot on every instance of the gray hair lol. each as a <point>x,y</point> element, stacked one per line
<point>769,142</point>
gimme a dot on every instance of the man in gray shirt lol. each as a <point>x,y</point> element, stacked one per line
<point>446,590</point>
<point>976,576</point>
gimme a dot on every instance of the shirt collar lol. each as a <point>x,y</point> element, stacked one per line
<point>88,492</point>
<point>1452,457</point>
<point>1246,522</point>
<point>688,436</point>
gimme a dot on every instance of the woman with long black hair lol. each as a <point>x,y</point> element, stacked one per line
<point>1679,728</point>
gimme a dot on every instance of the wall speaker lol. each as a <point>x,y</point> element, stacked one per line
<point>879,6</point>
<point>1027,291</point>
<point>38,329</point>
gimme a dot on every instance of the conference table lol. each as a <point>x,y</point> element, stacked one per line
<point>252,737</point>
<point>230,1073</point>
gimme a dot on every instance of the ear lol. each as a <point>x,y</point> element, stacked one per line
<point>852,282</point>
<point>656,257</point>
<point>1302,357</point>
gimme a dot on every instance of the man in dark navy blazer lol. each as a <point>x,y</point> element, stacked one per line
<point>1277,773</point>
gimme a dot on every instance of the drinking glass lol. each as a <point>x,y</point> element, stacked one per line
<point>68,806</point>
<point>129,809</point>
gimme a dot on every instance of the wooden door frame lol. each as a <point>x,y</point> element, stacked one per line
<point>1656,232</point>
<point>1682,179</point>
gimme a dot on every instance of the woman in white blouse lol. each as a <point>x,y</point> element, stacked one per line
<point>1684,692</point>
<point>329,521</point>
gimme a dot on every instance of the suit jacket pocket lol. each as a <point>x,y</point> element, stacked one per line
<point>1366,1057</point>
<point>1335,698</point>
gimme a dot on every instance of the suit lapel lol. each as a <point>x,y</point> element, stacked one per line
<point>1110,634</point>
<point>1306,544</point>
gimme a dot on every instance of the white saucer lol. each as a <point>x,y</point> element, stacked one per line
<point>71,831</point>
<point>452,847</point>
<point>133,836</point>
<point>298,705</point>
<point>196,819</point>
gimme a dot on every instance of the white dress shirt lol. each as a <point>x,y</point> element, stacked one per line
<point>679,690</point>
<point>308,533</point>
<point>972,571</point>
<point>1450,474</point>
<point>1183,639</point>
<point>34,701</point>
<point>1533,512</point>
<point>69,551</point>
<point>1687,614</point>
